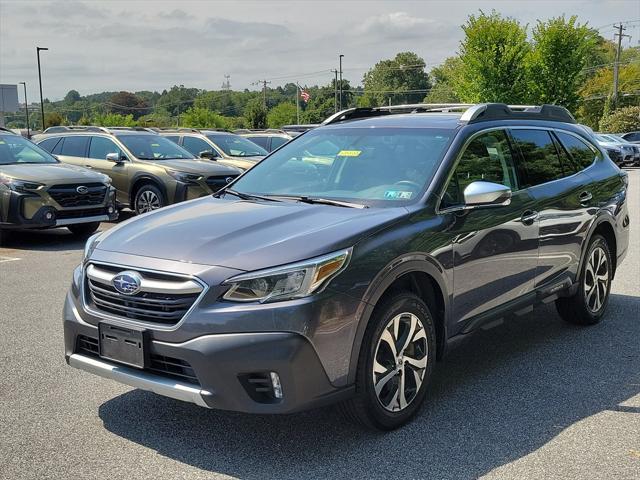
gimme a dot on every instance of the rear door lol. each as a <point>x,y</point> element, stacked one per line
<point>73,149</point>
<point>495,248</point>
<point>562,195</point>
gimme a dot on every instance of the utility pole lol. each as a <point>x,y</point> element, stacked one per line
<point>26,107</point>
<point>298,103</point>
<point>40,81</point>
<point>616,64</point>
<point>340,98</point>
<point>264,84</point>
<point>335,88</point>
<point>226,85</point>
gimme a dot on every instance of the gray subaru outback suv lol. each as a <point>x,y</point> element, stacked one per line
<point>308,282</point>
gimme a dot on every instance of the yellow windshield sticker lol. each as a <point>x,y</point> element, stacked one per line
<point>155,144</point>
<point>1,142</point>
<point>349,153</point>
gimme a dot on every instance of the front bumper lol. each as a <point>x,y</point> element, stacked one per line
<point>229,368</point>
<point>49,215</point>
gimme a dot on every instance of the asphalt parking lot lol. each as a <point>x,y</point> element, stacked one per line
<point>533,398</point>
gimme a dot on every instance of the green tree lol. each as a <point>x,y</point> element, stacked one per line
<point>595,93</point>
<point>256,114</point>
<point>399,80</point>
<point>493,55</point>
<point>126,103</point>
<point>282,114</point>
<point>53,119</point>
<point>178,99</point>
<point>622,120</point>
<point>444,78</point>
<point>559,54</point>
<point>72,97</point>
<point>114,120</point>
<point>197,117</point>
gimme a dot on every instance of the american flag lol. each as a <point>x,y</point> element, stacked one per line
<point>304,96</point>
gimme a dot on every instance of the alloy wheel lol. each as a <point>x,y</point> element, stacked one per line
<point>400,362</point>
<point>148,201</point>
<point>596,280</point>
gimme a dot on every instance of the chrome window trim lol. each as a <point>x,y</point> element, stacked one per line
<point>505,127</point>
<point>128,321</point>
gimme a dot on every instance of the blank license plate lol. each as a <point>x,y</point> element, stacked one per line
<point>122,344</point>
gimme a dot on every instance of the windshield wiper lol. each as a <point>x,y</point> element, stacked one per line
<point>246,196</point>
<point>326,201</point>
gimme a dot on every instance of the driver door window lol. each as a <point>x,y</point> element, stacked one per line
<point>487,158</point>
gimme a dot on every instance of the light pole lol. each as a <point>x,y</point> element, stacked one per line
<point>341,81</point>
<point>26,107</point>
<point>40,80</point>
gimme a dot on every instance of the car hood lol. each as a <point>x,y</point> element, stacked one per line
<point>203,167</point>
<point>243,234</point>
<point>52,173</point>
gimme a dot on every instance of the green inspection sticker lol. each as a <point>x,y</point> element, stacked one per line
<point>397,195</point>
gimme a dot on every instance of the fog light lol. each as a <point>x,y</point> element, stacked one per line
<point>110,209</point>
<point>49,215</point>
<point>275,383</point>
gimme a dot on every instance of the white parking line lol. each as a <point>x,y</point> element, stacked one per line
<point>8,259</point>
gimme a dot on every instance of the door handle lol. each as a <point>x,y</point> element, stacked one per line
<point>88,166</point>
<point>528,217</point>
<point>585,197</point>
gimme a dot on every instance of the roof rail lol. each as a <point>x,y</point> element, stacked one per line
<point>485,112</point>
<point>131,129</point>
<point>258,130</point>
<point>300,128</point>
<point>175,129</point>
<point>472,113</point>
<point>75,128</point>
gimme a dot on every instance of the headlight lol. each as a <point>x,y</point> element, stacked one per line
<point>90,246</point>
<point>289,281</point>
<point>185,177</point>
<point>19,185</point>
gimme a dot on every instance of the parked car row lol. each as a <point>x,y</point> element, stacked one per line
<point>619,149</point>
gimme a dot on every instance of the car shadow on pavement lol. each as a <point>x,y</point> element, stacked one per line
<point>52,240</point>
<point>502,395</point>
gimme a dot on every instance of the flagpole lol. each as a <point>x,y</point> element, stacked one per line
<point>298,102</point>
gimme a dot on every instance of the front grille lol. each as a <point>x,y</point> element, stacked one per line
<point>68,195</point>
<point>162,299</point>
<point>80,213</point>
<point>216,183</point>
<point>159,364</point>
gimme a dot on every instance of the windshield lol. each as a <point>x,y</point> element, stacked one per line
<point>606,138</point>
<point>15,149</point>
<point>236,146</point>
<point>153,147</point>
<point>372,166</point>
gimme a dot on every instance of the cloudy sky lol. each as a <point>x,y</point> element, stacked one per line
<point>151,45</point>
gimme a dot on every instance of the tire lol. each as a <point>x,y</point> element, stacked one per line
<point>382,409</point>
<point>589,303</point>
<point>148,198</point>
<point>83,229</point>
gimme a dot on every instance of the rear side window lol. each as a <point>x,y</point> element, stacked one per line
<point>75,146</point>
<point>173,138</point>
<point>487,158</point>
<point>196,145</point>
<point>262,141</point>
<point>541,160</point>
<point>100,147</point>
<point>277,142</point>
<point>581,153</point>
<point>49,144</point>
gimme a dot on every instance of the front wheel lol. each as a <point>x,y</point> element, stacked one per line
<point>395,365</point>
<point>83,229</point>
<point>147,199</point>
<point>589,303</point>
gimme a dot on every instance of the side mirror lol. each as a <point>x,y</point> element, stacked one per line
<point>115,157</point>
<point>208,154</point>
<point>486,193</point>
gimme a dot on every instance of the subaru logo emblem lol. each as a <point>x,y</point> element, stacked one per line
<point>82,189</point>
<point>228,179</point>
<point>127,283</point>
